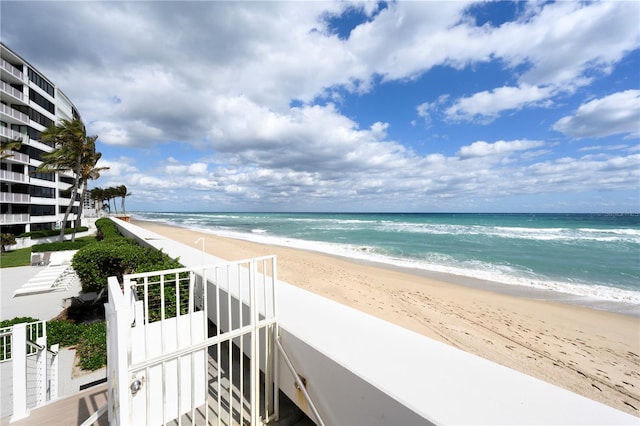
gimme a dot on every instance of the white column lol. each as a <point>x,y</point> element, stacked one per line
<point>19,360</point>
<point>118,313</point>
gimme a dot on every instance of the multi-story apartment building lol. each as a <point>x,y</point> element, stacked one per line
<point>29,103</point>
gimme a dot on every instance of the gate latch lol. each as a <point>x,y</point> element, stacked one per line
<point>136,385</point>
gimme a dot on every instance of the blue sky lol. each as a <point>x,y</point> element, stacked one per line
<point>351,106</point>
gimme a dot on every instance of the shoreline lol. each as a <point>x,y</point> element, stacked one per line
<point>513,290</point>
<point>509,289</point>
<point>591,352</point>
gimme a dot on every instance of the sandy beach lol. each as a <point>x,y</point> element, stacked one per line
<point>593,353</point>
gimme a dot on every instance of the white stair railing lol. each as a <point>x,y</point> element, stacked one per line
<point>34,367</point>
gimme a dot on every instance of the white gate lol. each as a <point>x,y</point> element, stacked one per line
<point>194,346</point>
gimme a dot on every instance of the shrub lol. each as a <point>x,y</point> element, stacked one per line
<point>16,320</point>
<point>116,256</point>
<point>63,245</point>
<point>62,332</point>
<point>107,229</point>
<point>92,347</point>
<point>96,262</point>
<point>51,232</point>
<point>90,339</point>
<point>6,240</point>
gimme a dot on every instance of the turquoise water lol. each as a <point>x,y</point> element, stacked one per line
<point>593,255</point>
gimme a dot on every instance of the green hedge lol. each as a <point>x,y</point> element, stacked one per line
<point>92,347</point>
<point>115,256</point>
<point>63,245</point>
<point>62,332</point>
<point>16,320</point>
<point>50,233</point>
<point>107,229</point>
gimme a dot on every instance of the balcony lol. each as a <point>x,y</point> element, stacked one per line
<point>14,113</point>
<point>13,219</point>
<point>16,157</point>
<point>12,176</point>
<point>11,91</point>
<point>9,197</point>
<point>12,134</point>
<point>6,66</point>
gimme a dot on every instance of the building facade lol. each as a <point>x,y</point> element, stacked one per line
<point>29,103</point>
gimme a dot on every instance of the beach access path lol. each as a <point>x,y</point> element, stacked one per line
<point>590,352</point>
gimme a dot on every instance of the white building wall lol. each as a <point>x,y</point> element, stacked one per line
<point>14,70</point>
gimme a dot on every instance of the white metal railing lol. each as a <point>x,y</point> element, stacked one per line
<point>16,156</point>
<point>8,175</point>
<point>9,219</point>
<point>13,70</point>
<point>6,109</point>
<point>11,90</point>
<point>188,345</point>
<point>10,197</point>
<point>34,367</point>
<point>300,385</point>
<point>5,344</point>
<point>11,134</point>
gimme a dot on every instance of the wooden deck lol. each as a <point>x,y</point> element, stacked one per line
<point>72,410</point>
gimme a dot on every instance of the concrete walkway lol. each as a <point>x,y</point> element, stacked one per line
<point>43,306</point>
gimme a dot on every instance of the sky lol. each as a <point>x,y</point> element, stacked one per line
<point>350,106</point>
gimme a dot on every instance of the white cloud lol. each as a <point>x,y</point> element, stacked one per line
<point>488,104</point>
<point>561,46</point>
<point>221,77</point>
<point>117,168</point>
<point>194,169</point>
<point>618,113</point>
<point>566,39</point>
<point>554,47</point>
<point>483,149</point>
<point>477,171</point>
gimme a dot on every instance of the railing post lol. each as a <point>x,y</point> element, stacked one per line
<point>255,351</point>
<point>53,378</point>
<point>19,361</point>
<point>41,371</point>
<point>118,313</point>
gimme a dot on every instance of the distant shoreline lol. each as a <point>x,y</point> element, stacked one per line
<point>515,290</point>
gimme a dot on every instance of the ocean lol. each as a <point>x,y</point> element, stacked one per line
<point>591,256</point>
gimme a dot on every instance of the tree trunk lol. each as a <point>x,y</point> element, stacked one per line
<point>80,209</point>
<point>74,192</point>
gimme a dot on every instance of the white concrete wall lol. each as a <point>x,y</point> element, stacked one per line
<point>360,369</point>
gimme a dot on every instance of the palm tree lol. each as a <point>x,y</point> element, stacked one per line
<point>110,194</point>
<point>88,171</point>
<point>7,146</point>
<point>123,193</point>
<point>70,141</point>
<point>97,194</point>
